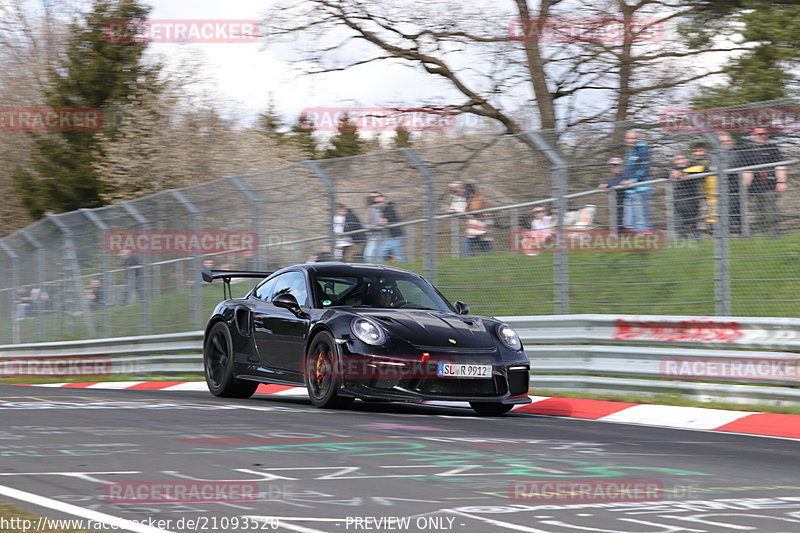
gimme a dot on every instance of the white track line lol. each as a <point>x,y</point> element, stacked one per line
<point>114,521</point>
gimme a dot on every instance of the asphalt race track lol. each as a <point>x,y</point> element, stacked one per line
<point>283,465</point>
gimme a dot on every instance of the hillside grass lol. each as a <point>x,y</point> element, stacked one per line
<point>678,279</point>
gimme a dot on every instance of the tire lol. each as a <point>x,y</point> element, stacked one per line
<point>321,380</point>
<point>218,365</point>
<point>491,408</point>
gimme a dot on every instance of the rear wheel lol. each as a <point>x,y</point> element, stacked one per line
<point>218,365</point>
<point>321,375</point>
<point>491,408</point>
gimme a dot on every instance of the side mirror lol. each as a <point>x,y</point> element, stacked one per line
<point>288,301</point>
<point>462,308</point>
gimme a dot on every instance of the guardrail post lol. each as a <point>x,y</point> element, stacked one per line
<point>131,279</point>
<point>197,293</point>
<point>331,186</point>
<point>12,255</point>
<point>255,217</point>
<point>560,258</point>
<point>40,262</point>
<point>430,250</point>
<point>722,278</point>
<point>106,285</point>
<point>72,275</point>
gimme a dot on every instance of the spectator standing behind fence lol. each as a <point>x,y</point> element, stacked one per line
<point>763,185</point>
<point>375,234</point>
<point>732,158</point>
<point>94,294</point>
<point>323,255</point>
<point>701,161</point>
<point>637,170</point>
<point>345,221</point>
<point>686,195</point>
<point>541,230</point>
<point>393,249</point>
<point>134,274</point>
<point>615,164</point>
<point>477,234</point>
<point>458,197</point>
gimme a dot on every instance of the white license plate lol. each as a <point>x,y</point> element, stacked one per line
<point>461,370</point>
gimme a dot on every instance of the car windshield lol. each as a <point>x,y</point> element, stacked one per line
<point>379,290</point>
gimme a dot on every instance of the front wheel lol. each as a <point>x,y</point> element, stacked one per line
<point>323,375</point>
<point>218,365</point>
<point>491,408</point>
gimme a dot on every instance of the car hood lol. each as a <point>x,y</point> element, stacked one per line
<point>428,329</point>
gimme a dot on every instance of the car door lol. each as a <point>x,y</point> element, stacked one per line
<point>279,334</point>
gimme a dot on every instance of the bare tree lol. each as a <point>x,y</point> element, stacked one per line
<point>508,61</point>
<point>31,41</point>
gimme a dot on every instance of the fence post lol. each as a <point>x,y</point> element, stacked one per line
<point>131,283</point>
<point>12,255</point>
<point>255,216</point>
<point>744,205</point>
<point>40,261</point>
<point>560,259</point>
<point>197,293</point>
<point>722,232</point>
<point>430,214</point>
<point>106,285</point>
<point>72,276</point>
<point>669,208</point>
<point>612,210</point>
<point>331,186</point>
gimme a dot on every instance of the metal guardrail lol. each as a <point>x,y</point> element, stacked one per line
<point>628,354</point>
<point>661,330</point>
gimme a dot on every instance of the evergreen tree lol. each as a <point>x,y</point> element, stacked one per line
<point>302,136</point>
<point>96,72</point>
<point>347,140</point>
<point>767,69</point>
<point>270,122</point>
<point>402,137</point>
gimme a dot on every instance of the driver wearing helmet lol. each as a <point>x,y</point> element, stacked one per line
<point>382,294</point>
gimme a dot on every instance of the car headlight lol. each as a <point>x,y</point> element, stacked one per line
<point>509,337</point>
<point>368,331</point>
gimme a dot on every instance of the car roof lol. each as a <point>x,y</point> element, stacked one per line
<point>346,268</point>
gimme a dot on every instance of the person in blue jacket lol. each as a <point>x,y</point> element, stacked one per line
<point>637,170</point>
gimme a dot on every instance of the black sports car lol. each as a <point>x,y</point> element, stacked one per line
<point>372,332</point>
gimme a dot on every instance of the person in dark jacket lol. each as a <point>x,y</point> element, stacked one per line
<point>394,245</point>
<point>615,164</point>
<point>687,195</point>
<point>763,185</point>
<point>347,246</point>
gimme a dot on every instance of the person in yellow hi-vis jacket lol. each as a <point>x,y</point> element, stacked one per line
<point>700,159</point>
<point>702,163</point>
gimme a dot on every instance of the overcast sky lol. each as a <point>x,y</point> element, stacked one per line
<point>245,73</point>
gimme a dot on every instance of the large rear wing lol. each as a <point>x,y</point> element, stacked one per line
<point>227,275</point>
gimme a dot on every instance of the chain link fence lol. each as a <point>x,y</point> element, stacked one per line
<point>520,224</point>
